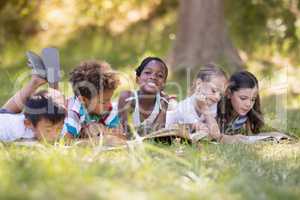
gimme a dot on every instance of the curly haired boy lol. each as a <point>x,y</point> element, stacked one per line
<point>93,84</point>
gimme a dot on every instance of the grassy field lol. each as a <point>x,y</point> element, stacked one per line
<point>153,171</point>
<point>148,171</point>
<point>262,171</point>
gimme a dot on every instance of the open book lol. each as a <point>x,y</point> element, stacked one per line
<point>179,131</point>
<point>183,132</point>
<point>267,136</point>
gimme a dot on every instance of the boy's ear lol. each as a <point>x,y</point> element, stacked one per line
<point>28,123</point>
<point>137,79</point>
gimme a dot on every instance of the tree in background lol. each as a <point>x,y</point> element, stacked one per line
<point>260,29</point>
<point>202,36</point>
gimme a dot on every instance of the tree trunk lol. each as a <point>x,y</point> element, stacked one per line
<point>202,37</point>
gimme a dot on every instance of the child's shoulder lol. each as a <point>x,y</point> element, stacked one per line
<point>186,102</point>
<point>12,116</point>
<point>17,131</point>
<point>185,107</point>
<point>73,104</point>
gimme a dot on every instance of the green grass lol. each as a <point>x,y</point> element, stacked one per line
<point>262,171</point>
<point>150,171</point>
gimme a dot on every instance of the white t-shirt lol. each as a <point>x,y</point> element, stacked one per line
<point>185,113</point>
<point>12,128</point>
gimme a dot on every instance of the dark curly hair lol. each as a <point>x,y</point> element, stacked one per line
<point>144,63</point>
<point>42,106</point>
<point>92,77</point>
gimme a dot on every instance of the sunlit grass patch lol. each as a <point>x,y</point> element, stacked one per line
<point>150,171</point>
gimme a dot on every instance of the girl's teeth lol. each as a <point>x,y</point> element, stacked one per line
<point>151,84</point>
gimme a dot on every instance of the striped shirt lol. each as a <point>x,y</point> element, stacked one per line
<point>78,117</point>
<point>236,125</point>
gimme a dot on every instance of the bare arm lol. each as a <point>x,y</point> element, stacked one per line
<point>213,127</point>
<point>16,103</point>
<point>123,109</point>
<point>160,121</point>
<point>210,121</point>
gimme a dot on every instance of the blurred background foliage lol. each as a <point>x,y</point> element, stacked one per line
<point>122,32</point>
<point>270,26</point>
<point>260,28</point>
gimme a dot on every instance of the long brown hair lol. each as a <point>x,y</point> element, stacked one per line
<point>240,80</point>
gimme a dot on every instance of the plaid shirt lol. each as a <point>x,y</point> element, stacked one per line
<point>236,126</point>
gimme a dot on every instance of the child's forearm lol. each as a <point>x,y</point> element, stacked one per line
<point>124,123</point>
<point>16,103</point>
<point>214,131</point>
<point>123,108</point>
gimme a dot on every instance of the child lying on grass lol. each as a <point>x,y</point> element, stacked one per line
<point>200,109</point>
<point>90,111</point>
<point>148,105</point>
<point>43,112</point>
<point>239,114</point>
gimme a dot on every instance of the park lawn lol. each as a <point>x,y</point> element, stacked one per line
<point>151,171</point>
<point>262,171</point>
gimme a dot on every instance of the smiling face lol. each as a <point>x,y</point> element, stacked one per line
<point>212,89</point>
<point>243,100</point>
<point>152,78</point>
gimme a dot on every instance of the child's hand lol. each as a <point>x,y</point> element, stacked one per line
<point>200,127</point>
<point>118,132</point>
<point>37,81</point>
<point>96,129</point>
<point>201,103</point>
<point>215,135</point>
<point>93,130</point>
